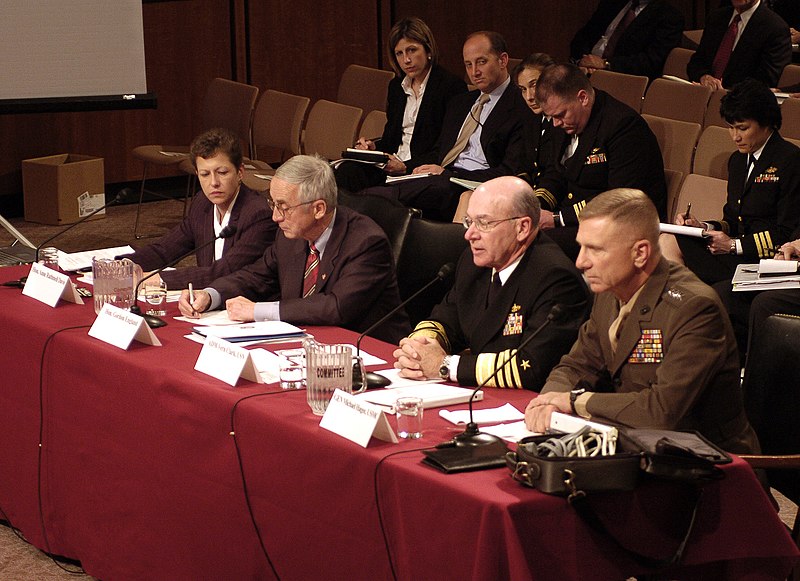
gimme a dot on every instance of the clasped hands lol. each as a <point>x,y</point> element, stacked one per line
<point>418,358</point>
<point>238,308</point>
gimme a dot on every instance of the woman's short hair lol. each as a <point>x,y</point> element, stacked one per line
<point>314,176</point>
<point>214,141</point>
<point>753,100</point>
<point>538,61</point>
<point>415,30</point>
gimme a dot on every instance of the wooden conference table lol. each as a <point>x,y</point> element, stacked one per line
<point>138,477</point>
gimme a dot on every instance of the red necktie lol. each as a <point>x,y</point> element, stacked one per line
<point>311,271</point>
<point>611,45</point>
<point>725,48</point>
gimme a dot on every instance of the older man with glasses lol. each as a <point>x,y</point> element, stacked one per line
<point>505,287</point>
<point>329,265</point>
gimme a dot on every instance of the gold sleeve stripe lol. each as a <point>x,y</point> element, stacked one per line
<point>578,208</point>
<point>507,377</point>
<point>764,246</point>
<point>432,330</point>
<point>548,198</point>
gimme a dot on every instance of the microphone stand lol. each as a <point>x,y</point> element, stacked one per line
<point>121,195</point>
<point>156,322</point>
<point>373,379</point>
<point>472,436</point>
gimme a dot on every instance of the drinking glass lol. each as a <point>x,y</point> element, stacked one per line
<point>155,293</point>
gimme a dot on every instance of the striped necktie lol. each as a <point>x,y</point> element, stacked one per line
<point>725,48</point>
<point>311,271</point>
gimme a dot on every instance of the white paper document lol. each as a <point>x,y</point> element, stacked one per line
<point>505,413</point>
<point>510,432</point>
<point>210,318</point>
<point>432,395</point>
<point>70,262</point>
<point>693,231</point>
<point>746,278</point>
<point>411,176</point>
<point>393,375</point>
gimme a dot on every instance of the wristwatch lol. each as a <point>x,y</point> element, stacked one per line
<point>733,246</point>
<point>573,395</point>
<point>444,368</point>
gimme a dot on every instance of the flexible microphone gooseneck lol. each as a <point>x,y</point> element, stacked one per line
<point>155,322</point>
<point>121,195</point>
<point>373,379</point>
<point>472,436</point>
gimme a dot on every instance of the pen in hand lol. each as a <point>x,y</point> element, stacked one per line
<point>688,211</point>
<point>191,298</point>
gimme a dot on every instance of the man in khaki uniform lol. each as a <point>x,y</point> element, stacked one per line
<point>658,350</point>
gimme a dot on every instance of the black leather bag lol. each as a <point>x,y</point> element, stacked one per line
<point>686,458</point>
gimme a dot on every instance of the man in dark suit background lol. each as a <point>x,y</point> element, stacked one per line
<point>628,36</point>
<point>597,144</point>
<point>482,133</point>
<point>743,40</point>
<point>328,266</point>
<point>505,287</point>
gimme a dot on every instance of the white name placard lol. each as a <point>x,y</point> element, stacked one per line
<point>119,328</point>
<point>226,361</point>
<point>48,286</point>
<point>356,420</point>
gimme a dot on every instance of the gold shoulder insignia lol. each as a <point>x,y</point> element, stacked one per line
<point>515,308</point>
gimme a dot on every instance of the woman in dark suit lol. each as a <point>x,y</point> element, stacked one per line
<point>763,191</point>
<point>526,74</point>
<point>415,107</point>
<point>217,157</point>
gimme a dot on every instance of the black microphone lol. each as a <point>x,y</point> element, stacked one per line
<point>472,436</point>
<point>121,195</point>
<point>155,322</point>
<point>373,379</point>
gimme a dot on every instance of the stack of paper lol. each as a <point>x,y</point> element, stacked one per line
<point>768,275</point>
<point>258,331</point>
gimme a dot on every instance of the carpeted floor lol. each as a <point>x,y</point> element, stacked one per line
<point>115,229</point>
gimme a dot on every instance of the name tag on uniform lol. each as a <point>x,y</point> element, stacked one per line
<point>649,348</point>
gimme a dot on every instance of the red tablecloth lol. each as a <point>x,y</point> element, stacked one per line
<point>140,479</point>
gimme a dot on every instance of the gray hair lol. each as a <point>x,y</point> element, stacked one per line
<point>314,176</point>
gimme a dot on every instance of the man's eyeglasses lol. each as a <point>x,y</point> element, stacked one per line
<point>283,210</point>
<point>484,225</point>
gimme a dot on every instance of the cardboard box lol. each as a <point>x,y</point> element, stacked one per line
<point>61,189</point>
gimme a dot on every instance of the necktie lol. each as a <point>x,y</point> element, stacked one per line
<point>469,127</point>
<point>725,48</point>
<point>750,161</point>
<point>495,286</point>
<point>623,24</point>
<point>311,271</point>
<point>614,329</point>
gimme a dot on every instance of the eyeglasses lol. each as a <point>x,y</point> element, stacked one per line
<point>484,225</point>
<point>283,210</point>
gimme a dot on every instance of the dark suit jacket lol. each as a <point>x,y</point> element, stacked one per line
<point>501,136</point>
<point>537,148</point>
<point>543,278</point>
<point>617,149</point>
<point>255,230</point>
<point>692,385</point>
<point>643,46</point>
<point>441,88</point>
<point>356,285</point>
<point>761,53</point>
